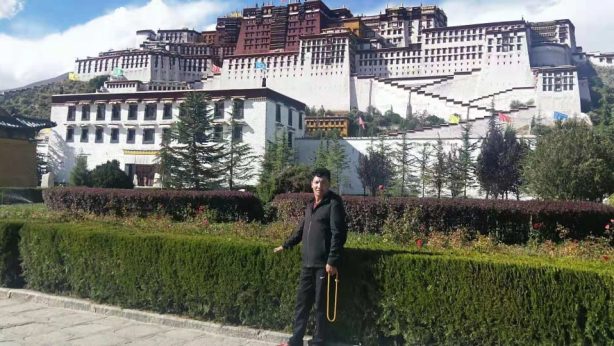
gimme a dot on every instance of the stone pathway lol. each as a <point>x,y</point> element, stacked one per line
<point>24,322</point>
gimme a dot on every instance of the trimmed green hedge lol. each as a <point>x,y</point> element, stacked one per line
<point>509,221</point>
<point>386,296</point>
<point>10,269</point>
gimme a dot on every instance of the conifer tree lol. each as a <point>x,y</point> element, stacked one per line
<point>422,162</point>
<point>439,170</point>
<point>80,176</point>
<point>404,180</point>
<point>239,156</point>
<point>189,156</point>
<point>488,162</point>
<point>466,162</point>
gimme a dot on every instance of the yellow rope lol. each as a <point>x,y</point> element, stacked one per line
<point>328,298</point>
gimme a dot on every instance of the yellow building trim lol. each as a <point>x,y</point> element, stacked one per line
<point>141,152</point>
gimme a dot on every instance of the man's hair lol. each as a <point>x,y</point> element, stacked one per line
<point>320,173</point>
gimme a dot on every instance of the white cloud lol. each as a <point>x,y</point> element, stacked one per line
<point>9,8</point>
<point>591,18</point>
<point>31,60</point>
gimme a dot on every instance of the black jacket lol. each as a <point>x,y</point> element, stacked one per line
<point>323,232</point>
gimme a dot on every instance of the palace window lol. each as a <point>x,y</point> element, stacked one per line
<point>218,133</point>
<point>166,135</point>
<point>132,111</point>
<point>84,134</point>
<point>130,135</point>
<point>290,139</point>
<point>150,111</point>
<point>239,109</point>
<point>72,110</point>
<point>278,113</point>
<point>300,121</point>
<point>99,135</point>
<point>100,110</point>
<point>85,112</point>
<point>290,115</point>
<point>116,112</point>
<point>237,133</point>
<point>70,134</point>
<point>114,135</point>
<point>148,136</point>
<point>218,110</point>
<point>168,111</point>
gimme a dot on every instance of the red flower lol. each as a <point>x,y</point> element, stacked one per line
<point>606,257</point>
<point>537,225</point>
<point>381,187</point>
<point>419,243</point>
<point>607,226</point>
<point>205,222</point>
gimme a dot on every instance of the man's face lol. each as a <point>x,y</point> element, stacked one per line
<point>320,186</point>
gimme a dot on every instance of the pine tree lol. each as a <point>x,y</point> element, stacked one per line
<point>511,158</point>
<point>466,163</point>
<point>439,170</point>
<point>455,175</point>
<point>488,163</point>
<point>422,162</point>
<point>403,181</point>
<point>337,161</point>
<point>189,157</point>
<point>239,157</point>
<point>278,157</point>
<point>80,176</point>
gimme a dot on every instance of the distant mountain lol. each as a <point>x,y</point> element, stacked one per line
<point>62,77</point>
<point>34,100</point>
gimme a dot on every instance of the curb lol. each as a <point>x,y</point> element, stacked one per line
<point>142,316</point>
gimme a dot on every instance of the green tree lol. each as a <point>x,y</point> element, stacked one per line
<point>189,156</point>
<point>455,176</point>
<point>572,162</point>
<point>332,156</point>
<point>422,163</point>
<point>294,178</point>
<point>80,175</point>
<point>374,169</point>
<point>97,82</point>
<point>466,163</point>
<point>277,157</point>
<point>510,163</point>
<point>488,162</point>
<point>109,175</point>
<point>438,170</point>
<point>238,157</point>
<point>403,179</point>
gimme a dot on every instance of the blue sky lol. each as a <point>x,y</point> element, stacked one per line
<point>44,37</point>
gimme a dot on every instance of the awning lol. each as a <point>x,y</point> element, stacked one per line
<point>85,102</point>
<point>132,101</point>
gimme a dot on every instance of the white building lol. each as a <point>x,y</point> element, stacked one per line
<point>128,127</point>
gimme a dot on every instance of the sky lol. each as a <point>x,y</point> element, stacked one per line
<point>41,39</point>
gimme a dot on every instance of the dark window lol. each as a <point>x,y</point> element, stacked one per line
<point>72,111</point>
<point>100,110</point>
<point>114,135</point>
<point>237,133</point>
<point>290,115</point>
<point>168,111</point>
<point>84,134</point>
<point>218,133</point>
<point>239,106</point>
<point>70,134</point>
<point>300,121</point>
<point>85,112</point>
<point>130,136</point>
<point>116,112</point>
<point>132,111</point>
<point>148,136</point>
<point>150,111</point>
<point>290,135</point>
<point>278,113</point>
<point>165,135</point>
<point>219,110</point>
<point>99,134</point>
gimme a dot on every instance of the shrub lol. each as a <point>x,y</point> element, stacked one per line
<point>110,176</point>
<point>505,220</point>
<point>10,269</point>
<point>385,296</point>
<point>80,175</point>
<point>221,206</point>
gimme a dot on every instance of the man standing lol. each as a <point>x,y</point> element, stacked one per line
<point>323,232</point>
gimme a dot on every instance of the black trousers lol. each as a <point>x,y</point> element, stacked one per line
<point>311,289</point>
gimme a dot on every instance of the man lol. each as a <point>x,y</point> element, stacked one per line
<point>323,232</point>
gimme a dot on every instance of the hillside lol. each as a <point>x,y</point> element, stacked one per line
<point>36,101</point>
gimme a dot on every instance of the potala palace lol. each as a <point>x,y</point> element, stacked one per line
<point>276,60</point>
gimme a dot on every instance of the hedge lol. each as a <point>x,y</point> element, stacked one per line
<point>507,220</point>
<point>10,268</point>
<point>14,195</point>
<point>385,296</point>
<point>221,206</point>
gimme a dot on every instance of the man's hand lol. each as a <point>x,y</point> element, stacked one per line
<point>331,269</point>
<point>278,249</point>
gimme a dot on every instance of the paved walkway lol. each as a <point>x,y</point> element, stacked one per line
<point>24,322</point>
